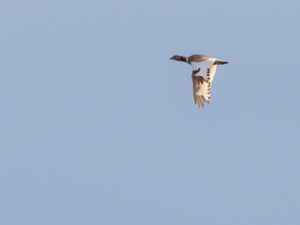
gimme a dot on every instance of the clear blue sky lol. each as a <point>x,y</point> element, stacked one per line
<point>98,126</point>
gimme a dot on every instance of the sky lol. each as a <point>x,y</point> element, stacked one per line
<point>98,126</point>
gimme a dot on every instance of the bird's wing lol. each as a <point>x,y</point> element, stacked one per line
<point>206,69</point>
<point>212,72</point>
<point>201,90</point>
<point>202,68</point>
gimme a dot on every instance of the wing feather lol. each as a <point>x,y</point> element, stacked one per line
<point>201,90</point>
<point>212,72</point>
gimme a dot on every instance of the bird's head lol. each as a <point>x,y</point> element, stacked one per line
<point>178,58</point>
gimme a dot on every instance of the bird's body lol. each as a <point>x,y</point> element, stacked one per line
<point>203,71</point>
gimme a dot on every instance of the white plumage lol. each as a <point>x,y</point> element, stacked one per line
<point>205,68</point>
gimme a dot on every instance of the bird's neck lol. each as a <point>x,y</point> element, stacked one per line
<point>183,59</point>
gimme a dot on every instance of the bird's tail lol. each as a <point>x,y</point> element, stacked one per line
<point>220,62</point>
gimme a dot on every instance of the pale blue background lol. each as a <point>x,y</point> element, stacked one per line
<point>98,126</point>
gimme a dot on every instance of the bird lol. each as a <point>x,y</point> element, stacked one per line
<point>203,71</point>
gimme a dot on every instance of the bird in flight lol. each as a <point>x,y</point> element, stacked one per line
<point>203,71</point>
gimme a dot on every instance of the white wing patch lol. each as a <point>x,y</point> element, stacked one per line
<point>206,69</point>
<point>213,70</point>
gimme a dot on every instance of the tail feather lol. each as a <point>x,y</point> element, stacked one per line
<point>220,62</point>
